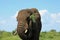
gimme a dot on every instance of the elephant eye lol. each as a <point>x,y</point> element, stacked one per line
<point>28,19</point>
<point>29,12</point>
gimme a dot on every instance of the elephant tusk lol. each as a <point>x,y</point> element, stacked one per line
<point>26,31</point>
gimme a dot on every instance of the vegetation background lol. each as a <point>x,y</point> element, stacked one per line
<point>51,35</point>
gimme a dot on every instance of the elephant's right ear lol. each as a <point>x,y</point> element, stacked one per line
<point>17,18</point>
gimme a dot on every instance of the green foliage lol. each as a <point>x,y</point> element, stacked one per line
<point>51,35</point>
<point>33,17</point>
<point>8,36</point>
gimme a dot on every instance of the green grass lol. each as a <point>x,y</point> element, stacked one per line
<point>51,35</point>
<point>11,38</point>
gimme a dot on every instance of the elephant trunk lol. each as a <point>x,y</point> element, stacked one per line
<point>22,29</point>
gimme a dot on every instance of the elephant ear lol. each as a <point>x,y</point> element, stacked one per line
<point>33,17</point>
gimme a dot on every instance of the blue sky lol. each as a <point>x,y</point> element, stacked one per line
<point>49,10</point>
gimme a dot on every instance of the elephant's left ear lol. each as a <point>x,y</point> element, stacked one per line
<point>33,17</point>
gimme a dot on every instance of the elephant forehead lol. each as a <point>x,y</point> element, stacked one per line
<point>25,12</point>
<point>23,16</point>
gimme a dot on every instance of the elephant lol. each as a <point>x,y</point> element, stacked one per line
<point>29,24</point>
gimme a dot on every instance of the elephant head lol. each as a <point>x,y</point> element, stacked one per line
<point>28,20</point>
<point>23,19</point>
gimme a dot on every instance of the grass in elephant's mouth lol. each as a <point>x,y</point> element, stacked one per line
<point>33,17</point>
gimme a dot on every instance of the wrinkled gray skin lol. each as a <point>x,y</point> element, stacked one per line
<point>24,22</point>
